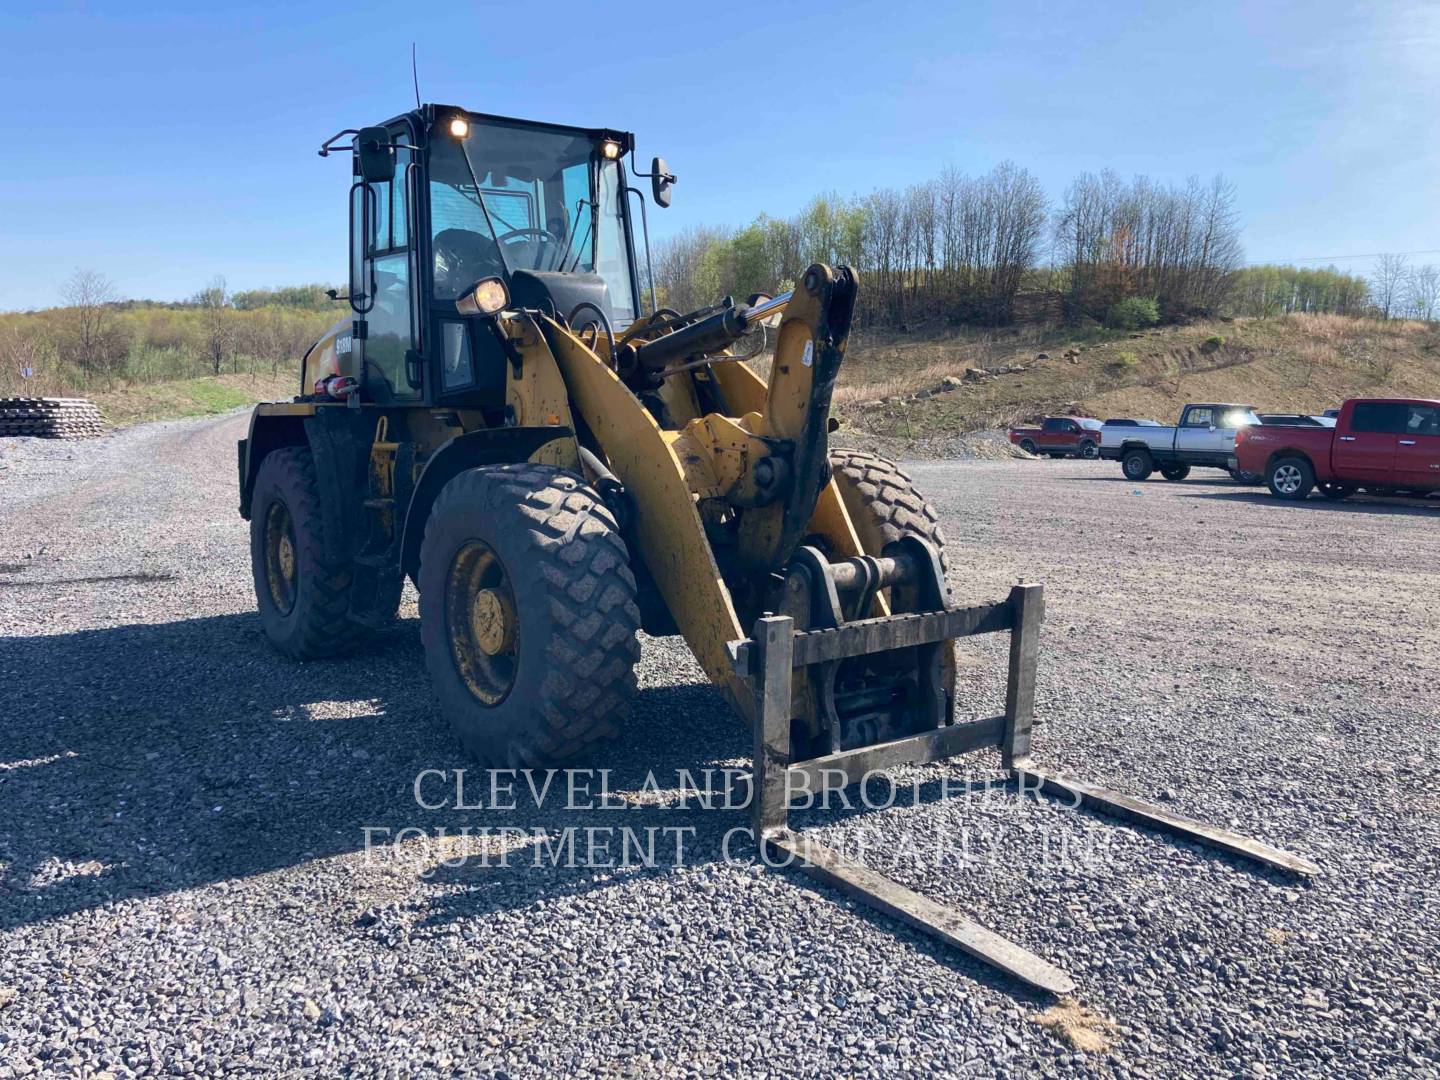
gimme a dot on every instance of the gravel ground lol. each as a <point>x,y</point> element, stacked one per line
<point>185,885</point>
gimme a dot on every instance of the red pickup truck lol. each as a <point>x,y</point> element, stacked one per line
<point>1379,444</point>
<point>1060,436</point>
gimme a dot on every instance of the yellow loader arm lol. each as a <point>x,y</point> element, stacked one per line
<point>754,472</point>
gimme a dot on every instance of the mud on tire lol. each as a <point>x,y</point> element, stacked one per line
<point>302,593</point>
<point>553,674</point>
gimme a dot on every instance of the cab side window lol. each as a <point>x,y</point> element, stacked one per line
<point>1200,418</point>
<point>1379,417</point>
<point>390,321</point>
<point>1052,424</point>
<point>1423,420</point>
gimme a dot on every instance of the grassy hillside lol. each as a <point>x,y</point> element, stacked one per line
<point>1295,363</point>
<point>191,397</point>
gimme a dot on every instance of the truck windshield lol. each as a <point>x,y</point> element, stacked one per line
<point>1237,418</point>
<point>553,203</point>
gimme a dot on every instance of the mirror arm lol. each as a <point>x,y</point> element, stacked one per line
<point>328,144</point>
<point>635,170</point>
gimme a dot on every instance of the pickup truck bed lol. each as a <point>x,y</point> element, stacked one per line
<point>1378,444</point>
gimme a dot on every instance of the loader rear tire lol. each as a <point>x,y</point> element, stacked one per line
<point>527,615</point>
<point>303,594</point>
<point>883,502</point>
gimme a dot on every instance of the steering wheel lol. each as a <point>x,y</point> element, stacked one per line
<point>462,257</point>
<point>543,235</point>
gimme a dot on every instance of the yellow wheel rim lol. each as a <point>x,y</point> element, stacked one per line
<point>481,619</point>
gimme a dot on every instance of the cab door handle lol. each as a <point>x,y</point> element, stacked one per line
<point>1407,442</point>
<point>1347,438</point>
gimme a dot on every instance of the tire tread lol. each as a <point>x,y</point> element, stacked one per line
<point>325,627</point>
<point>584,568</point>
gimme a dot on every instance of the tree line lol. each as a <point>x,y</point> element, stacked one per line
<point>957,245</point>
<point>96,339</point>
<point>964,247</point>
<point>1395,290</point>
<point>992,249</point>
<point>1262,291</point>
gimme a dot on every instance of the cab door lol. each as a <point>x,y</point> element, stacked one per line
<point>1417,450</point>
<point>1197,433</point>
<point>1365,454</point>
<point>1051,434</point>
<point>382,282</point>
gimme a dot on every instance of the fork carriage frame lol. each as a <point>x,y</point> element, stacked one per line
<point>776,649</point>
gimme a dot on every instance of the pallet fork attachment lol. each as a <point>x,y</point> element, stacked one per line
<point>776,650</point>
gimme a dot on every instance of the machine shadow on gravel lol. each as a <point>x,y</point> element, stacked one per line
<point>143,759</point>
<point>146,759</point>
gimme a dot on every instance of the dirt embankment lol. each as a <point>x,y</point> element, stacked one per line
<point>926,392</point>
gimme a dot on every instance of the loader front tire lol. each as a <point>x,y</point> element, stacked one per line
<point>303,594</point>
<point>883,502</point>
<point>527,615</point>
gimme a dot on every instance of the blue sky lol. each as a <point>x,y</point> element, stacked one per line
<point>163,144</point>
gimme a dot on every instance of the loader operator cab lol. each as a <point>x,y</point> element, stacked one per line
<point>448,198</point>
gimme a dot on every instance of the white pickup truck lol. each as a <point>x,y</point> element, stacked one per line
<point>1205,437</point>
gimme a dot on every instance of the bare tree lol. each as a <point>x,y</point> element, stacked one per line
<point>1387,283</point>
<point>92,339</point>
<point>1117,239</point>
<point>1422,293</point>
<point>214,301</point>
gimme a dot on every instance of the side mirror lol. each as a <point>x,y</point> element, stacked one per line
<point>661,181</point>
<point>375,155</point>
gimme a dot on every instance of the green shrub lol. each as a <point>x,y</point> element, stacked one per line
<point>1212,343</point>
<point>1132,313</point>
<point>1126,359</point>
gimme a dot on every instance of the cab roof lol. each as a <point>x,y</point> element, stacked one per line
<point>428,114</point>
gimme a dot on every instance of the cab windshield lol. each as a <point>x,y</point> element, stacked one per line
<point>552,202</point>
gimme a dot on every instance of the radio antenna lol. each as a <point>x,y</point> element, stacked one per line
<point>415,74</point>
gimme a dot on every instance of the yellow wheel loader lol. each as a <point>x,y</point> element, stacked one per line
<point>556,465</point>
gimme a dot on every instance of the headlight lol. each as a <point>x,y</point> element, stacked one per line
<point>487,297</point>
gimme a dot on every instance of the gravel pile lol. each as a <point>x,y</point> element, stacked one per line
<point>985,446</point>
<point>993,445</point>
<point>185,887</point>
